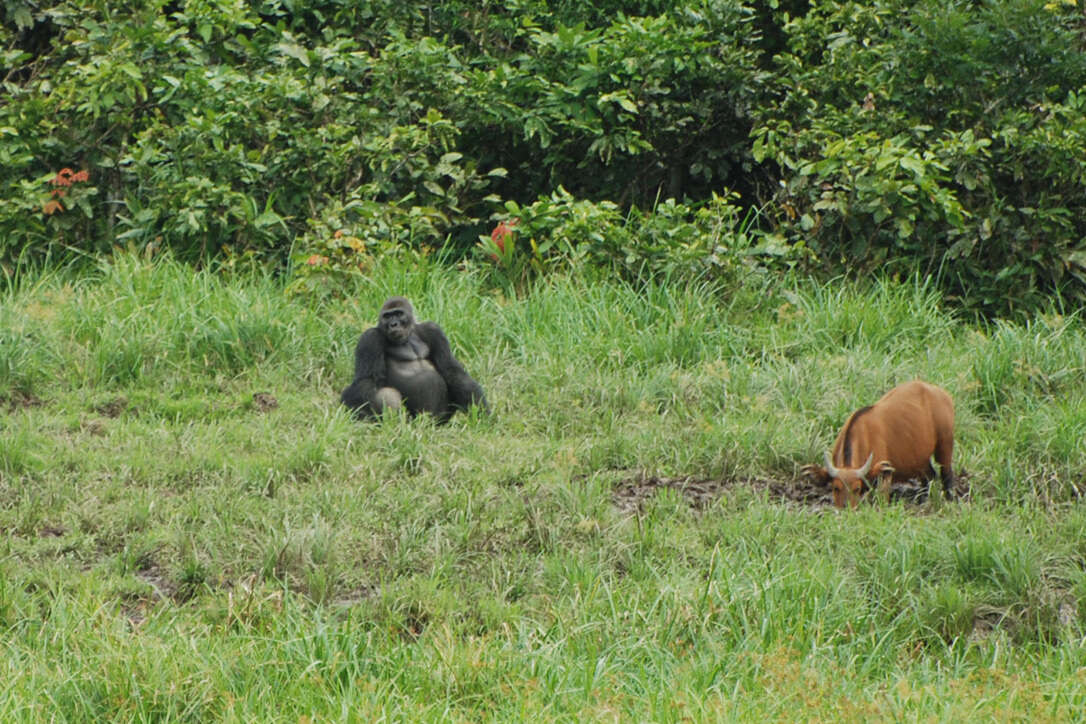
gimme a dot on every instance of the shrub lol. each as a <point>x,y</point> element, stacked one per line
<point>942,140</point>
<point>638,109</point>
<point>898,135</point>
<point>708,241</point>
<point>211,131</point>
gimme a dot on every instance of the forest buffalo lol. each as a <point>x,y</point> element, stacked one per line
<point>894,439</point>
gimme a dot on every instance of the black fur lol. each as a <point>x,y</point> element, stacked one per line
<point>416,360</point>
<point>846,448</point>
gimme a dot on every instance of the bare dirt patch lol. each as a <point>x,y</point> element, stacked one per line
<point>631,494</point>
<point>162,588</point>
<point>19,400</point>
<point>354,597</point>
<point>112,408</point>
<point>264,402</point>
<point>95,427</point>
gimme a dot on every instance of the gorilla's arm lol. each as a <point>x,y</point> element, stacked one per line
<point>369,375</point>
<point>463,390</point>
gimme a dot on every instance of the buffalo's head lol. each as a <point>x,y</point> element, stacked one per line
<point>848,484</point>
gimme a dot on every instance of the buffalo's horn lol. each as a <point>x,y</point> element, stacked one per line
<point>866,466</point>
<point>829,466</point>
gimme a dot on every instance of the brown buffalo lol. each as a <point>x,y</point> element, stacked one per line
<point>902,431</point>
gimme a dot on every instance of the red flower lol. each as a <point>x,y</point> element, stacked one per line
<point>66,177</point>
<point>63,178</point>
<point>502,232</point>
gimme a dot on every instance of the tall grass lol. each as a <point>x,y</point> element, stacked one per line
<point>172,550</point>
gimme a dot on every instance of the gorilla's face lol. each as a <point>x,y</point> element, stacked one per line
<point>396,323</point>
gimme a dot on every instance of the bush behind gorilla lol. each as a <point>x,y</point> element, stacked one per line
<point>402,363</point>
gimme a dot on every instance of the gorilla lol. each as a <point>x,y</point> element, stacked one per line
<point>402,363</point>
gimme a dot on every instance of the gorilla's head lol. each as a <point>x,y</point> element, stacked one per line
<point>397,320</point>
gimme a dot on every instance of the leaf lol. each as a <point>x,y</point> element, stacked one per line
<point>904,227</point>
<point>622,99</point>
<point>23,19</point>
<point>962,247</point>
<point>131,71</point>
<point>294,51</point>
<point>267,218</point>
<point>986,229</point>
<point>910,163</point>
<point>1076,258</point>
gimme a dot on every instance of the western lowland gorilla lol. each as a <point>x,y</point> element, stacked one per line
<point>403,363</point>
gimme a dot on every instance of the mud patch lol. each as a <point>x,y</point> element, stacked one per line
<point>137,604</point>
<point>631,494</point>
<point>97,428</point>
<point>19,400</point>
<point>264,402</point>
<point>111,408</point>
<point>162,588</point>
<point>354,597</point>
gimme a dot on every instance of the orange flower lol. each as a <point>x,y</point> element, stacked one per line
<point>316,259</point>
<point>502,232</point>
<point>51,207</point>
<point>63,177</point>
<point>66,177</point>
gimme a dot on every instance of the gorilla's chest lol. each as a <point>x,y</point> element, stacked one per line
<point>411,372</point>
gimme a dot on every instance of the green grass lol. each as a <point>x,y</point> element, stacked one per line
<point>172,550</point>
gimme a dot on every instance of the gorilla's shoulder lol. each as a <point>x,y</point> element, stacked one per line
<point>429,331</point>
<point>372,337</point>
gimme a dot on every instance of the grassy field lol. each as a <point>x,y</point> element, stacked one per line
<point>191,528</point>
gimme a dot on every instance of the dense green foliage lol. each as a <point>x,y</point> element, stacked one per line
<point>906,135</point>
<point>174,546</point>
<point>949,138</point>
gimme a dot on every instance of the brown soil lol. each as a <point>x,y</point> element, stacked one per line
<point>95,427</point>
<point>264,402</point>
<point>162,588</point>
<point>112,408</point>
<point>19,400</point>
<point>631,494</point>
